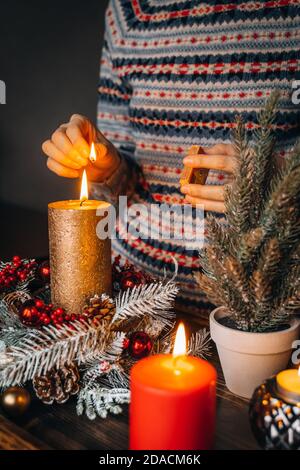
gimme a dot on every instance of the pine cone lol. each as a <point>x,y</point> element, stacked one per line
<point>100,308</point>
<point>58,384</point>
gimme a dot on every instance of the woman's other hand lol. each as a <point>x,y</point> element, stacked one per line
<point>219,157</point>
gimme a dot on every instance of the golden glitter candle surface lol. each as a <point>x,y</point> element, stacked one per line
<point>80,262</point>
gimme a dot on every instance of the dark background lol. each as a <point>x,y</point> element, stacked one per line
<point>49,60</point>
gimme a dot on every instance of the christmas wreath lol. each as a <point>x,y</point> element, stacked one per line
<point>88,354</point>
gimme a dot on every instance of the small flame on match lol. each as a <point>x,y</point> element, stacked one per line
<point>180,341</point>
<point>84,194</point>
<point>93,155</point>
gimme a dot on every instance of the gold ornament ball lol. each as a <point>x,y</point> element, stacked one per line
<point>15,400</point>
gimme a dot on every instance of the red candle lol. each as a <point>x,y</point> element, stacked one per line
<point>173,401</point>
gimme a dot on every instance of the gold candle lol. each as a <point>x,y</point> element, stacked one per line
<point>80,261</point>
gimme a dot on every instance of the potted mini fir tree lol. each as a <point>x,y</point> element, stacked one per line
<point>251,264</point>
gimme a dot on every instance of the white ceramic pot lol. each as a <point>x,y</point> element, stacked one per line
<point>247,359</point>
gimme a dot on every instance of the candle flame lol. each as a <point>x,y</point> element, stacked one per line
<point>93,155</point>
<point>180,341</point>
<point>84,194</point>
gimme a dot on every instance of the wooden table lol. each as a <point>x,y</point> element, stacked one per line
<point>58,426</point>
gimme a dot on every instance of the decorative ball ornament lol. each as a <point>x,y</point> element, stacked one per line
<point>130,279</point>
<point>44,271</point>
<point>140,345</point>
<point>126,276</point>
<point>15,401</point>
<point>275,422</point>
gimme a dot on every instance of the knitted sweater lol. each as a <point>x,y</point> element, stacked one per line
<point>174,74</point>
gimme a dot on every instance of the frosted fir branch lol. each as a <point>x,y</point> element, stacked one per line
<point>8,319</point>
<point>114,349</point>
<point>41,350</point>
<point>154,300</point>
<point>100,401</point>
<point>199,344</point>
<point>11,327</point>
<point>154,328</point>
<point>103,362</point>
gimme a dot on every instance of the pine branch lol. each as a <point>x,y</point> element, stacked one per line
<point>41,350</point>
<point>154,300</point>
<point>218,234</point>
<point>284,204</point>
<point>100,401</point>
<point>289,300</point>
<point>11,328</point>
<point>249,248</point>
<point>264,141</point>
<point>238,197</point>
<point>263,281</point>
<point>199,344</point>
<point>102,363</point>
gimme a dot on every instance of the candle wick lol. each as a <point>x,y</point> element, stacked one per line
<point>82,201</point>
<point>177,370</point>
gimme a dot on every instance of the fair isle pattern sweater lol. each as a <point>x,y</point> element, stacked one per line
<point>174,73</point>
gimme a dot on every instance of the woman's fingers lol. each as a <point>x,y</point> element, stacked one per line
<point>62,170</point>
<point>220,149</point>
<point>69,150</point>
<point>214,162</point>
<point>208,205</point>
<point>63,143</point>
<point>76,129</point>
<point>54,153</point>
<point>215,193</point>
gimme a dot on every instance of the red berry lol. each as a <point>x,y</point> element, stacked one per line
<point>67,317</point>
<point>59,311</point>
<point>39,303</point>
<point>22,276</point>
<point>73,317</point>
<point>60,319</point>
<point>46,320</point>
<point>53,316</point>
<point>16,259</point>
<point>50,305</point>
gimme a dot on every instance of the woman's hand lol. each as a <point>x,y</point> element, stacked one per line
<point>68,150</point>
<point>221,157</point>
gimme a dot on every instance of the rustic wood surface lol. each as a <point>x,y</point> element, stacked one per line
<point>58,426</point>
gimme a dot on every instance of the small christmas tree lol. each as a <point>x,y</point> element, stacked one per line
<point>251,265</point>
